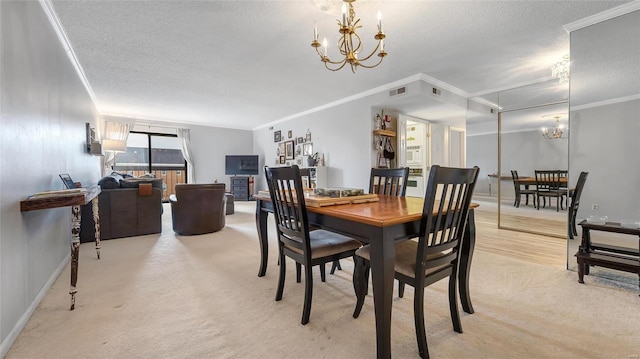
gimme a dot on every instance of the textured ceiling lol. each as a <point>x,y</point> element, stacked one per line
<point>245,64</point>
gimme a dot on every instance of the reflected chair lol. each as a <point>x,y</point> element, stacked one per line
<point>198,208</point>
<point>574,195</point>
<point>435,254</point>
<point>389,181</point>
<point>294,238</point>
<point>548,186</point>
<point>519,191</point>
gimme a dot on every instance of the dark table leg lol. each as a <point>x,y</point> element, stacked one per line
<point>382,263</point>
<point>261,223</point>
<point>75,250</point>
<point>468,244</point>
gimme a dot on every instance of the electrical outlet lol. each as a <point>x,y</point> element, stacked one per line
<point>594,207</point>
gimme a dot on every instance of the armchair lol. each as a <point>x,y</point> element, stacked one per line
<point>198,208</point>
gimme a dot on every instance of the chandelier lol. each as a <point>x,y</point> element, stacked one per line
<point>350,44</point>
<point>561,70</point>
<point>557,132</point>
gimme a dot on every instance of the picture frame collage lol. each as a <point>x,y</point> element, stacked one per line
<point>291,150</point>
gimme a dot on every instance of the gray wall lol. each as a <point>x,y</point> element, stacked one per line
<point>525,152</point>
<point>43,115</point>
<point>343,133</point>
<point>482,151</point>
<point>211,144</point>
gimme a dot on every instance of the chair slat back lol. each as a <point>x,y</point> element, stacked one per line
<point>289,209</point>
<point>448,194</point>
<point>577,192</point>
<point>516,185</point>
<point>548,180</point>
<point>389,181</point>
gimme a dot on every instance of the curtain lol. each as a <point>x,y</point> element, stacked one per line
<point>184,135</point>
<point>114,140</point>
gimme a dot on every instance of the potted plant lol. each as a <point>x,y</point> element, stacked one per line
<point>311,159</point>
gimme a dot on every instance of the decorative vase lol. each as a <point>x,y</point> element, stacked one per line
<point>311,162</point>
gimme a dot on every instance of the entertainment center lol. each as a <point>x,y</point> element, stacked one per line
<point>241,168</point>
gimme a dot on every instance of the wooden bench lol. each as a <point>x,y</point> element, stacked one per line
<point>613,257</point>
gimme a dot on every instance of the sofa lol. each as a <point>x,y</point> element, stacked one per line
<point>127,206</point>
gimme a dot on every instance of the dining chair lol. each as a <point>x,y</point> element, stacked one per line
<point>519,191</point>
<point>294,238</point>
<point>386,181</point>
<point>435,254</point>
<point>389,181</point>
<point>548,186</point>
<point>574,195</point>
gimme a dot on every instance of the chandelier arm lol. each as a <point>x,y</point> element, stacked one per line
<point>336,69</point>
<point>371,66</point>
<point>371,54</point>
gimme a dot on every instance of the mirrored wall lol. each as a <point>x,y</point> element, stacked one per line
<point>522,149</point>
<point>604,130</point>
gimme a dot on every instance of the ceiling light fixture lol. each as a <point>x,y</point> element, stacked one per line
<point>561,70</point>
<point>557,132</point>
<point>350,44</point>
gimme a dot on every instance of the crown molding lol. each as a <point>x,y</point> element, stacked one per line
<point>605,102</point>
<point>603,16</point>
<point>48,9</point>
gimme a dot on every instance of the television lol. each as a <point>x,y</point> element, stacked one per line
<point>241,165</point>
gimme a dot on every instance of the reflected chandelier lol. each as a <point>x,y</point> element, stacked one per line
<point>561,70</point>
<point>556,133</point>
<point>350,44</point>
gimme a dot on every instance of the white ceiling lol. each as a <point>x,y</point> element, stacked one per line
<point>246,64</point>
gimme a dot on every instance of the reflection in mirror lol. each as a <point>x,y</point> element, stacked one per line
<point>528,203</point>
<point>517,138</point>
<point>604,128</point>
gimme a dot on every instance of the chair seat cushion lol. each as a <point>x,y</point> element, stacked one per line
<point>405,258</point>
<point>325,243</point>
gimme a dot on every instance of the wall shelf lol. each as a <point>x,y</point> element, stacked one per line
<point>387,133</point>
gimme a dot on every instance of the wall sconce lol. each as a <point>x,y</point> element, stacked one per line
<point>92,146</point>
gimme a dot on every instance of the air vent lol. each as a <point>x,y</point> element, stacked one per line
<point>435,91</point>
<point>398,91</point>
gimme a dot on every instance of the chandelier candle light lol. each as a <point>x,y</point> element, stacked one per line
<point>561,70</point>
<point>350,44</point>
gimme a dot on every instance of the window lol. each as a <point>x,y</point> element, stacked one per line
<point>157,154</point>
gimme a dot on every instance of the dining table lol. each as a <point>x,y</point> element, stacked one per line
<point>532,181</point>
<point>380,223</point>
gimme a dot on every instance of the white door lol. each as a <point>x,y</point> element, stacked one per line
<point>439,144</point>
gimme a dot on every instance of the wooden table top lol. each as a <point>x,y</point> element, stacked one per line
<point>388,211</point>
<point>55,199</point>
<point>533,179</point>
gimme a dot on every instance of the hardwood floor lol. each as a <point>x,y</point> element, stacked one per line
<point>533,248</point>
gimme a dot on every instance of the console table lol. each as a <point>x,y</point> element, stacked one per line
<point>74,198</point>
<point>618,258</point>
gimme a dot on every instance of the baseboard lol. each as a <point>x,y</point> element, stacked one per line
<point>13,335</point>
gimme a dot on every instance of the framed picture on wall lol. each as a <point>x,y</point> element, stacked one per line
<point>281,160</point>
<point>280,150</point>
<point>277,136</point>
<point>288,150</point>
<point>307,149</point>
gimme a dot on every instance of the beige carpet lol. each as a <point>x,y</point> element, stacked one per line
<point>168,296</point>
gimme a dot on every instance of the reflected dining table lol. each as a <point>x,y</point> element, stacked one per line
<point>381,223</point>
